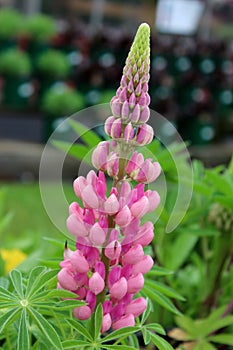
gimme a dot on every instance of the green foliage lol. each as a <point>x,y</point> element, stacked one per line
<point>106,96</point>
<point>53,64</point>
<point>15,63</point>
<point>62,102</point>
<point>199,250</point>
<point>80,151</point>
<point>89,336</point>
<point>33,307</point>
<point>35,317</point>
<point>203,331</point>
<point>40,27</point>
<point>11,23</point>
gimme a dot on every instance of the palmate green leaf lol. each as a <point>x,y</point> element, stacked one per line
<point>41,281</point>
<point>160,342</point>
<point>217,313</point>
<point>68,304</point>
<point>147,312</point>
<point>204,345</point>
<point>47,305</point>
<point>34,275</point>
<point>146,335</point>
<point>6,295</point>
<point>8,304</point>
<point>46,328</point>
<point>4,282</point>
<point>43,342</point>
<point>50,263</point>
<point>133,341</point>
<point>114,347</point>
<point>60,293</point>
<point>16,279</point>
<point>120,333</point>
<point>207,327</point>
<point>162,288</point>
<point>226,339</point>
<point>75,344</point>
<point>9,317</point>
<point>160,299</point>
<point>159,271</point>
<point>156,328</point>
<point>80,329</point>
<point>88,136</point>
<point>23,335</point>
<point>53,294</point>
<point>98,321</point>
<point>186,324</point>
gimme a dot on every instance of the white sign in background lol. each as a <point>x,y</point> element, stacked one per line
<point>179,16</point>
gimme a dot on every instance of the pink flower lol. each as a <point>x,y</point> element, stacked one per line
<point>111,221</point>
<point>79,262</point>
<point>118,311</point>
<point>145,234</point>
<point>136,307</point>
<point>114,275</point>
<point>143,266</point>
<point>89,197</point>
<point>106,323</point>
<point>99,155</point>
<point>133,256</point>
<point>154,199</point>
<point>119,289</point>
<point>116,129</point>
<point>123,217</point>
<point>76,226</point>
<point>97,235</point>
<point>96,283</point>
<point>113,250</point>
<point>79,184</point>
<point>82,312</point>
<point>135,283</point>
<point>108,125</point>
<point>111,205</point>
<point>124,321</point>
<point>145,135</point>
<point>67,280</point>
<point>140,208</point>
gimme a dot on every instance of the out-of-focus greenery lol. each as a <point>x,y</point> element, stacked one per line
<point>53,64</point>
<point>62,101</point>
<point>40,27</point>
<point>24,222</point>
<point>11,23</point>
<point>16,63</point>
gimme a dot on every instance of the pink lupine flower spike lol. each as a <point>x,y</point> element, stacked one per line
<point>109,262</point>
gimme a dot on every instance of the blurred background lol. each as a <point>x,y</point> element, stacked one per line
<point>59,57</point>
